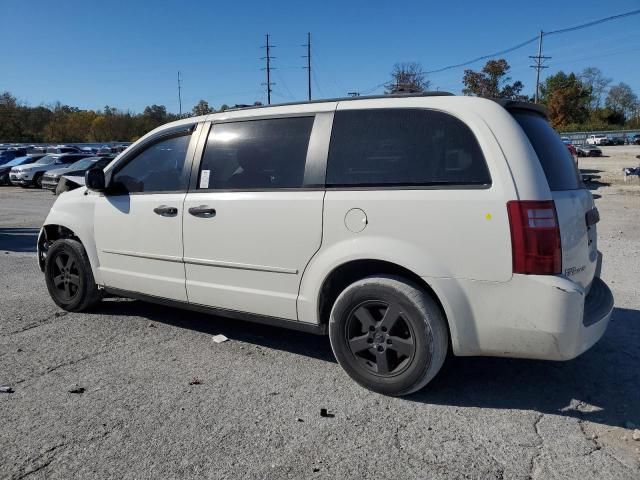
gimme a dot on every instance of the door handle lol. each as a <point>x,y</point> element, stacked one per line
<point>165,211</point>
<point>203,211</point>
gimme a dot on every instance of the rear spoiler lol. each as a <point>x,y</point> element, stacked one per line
<point>509,104</point>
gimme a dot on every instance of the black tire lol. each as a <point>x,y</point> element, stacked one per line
<point>69,276</point>
<point>37,180</point>
<point>388,334</point>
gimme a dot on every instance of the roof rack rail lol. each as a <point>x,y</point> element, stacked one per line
<point>344,99</point>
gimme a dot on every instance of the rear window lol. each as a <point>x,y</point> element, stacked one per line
<point>558,164</point>
<point>403,147</point>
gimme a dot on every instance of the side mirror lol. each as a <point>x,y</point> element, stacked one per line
<point>94,180</point>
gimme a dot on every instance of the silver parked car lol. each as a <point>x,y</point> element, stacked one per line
<point>51,178</point>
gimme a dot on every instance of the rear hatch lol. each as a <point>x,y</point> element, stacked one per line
<point>577,216</point>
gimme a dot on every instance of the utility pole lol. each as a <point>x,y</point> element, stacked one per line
<point>538,66</point>
<point>179,94</point>
<point>268,69</point>
<point>308,67</point>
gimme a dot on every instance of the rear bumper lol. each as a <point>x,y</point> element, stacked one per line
<point>538,317</point>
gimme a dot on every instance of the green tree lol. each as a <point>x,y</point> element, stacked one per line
<point>156,113</point>
<point>492,81</point>
<point>10,126</point>
<point>202,108</point>
<point>407,78</point>
<point>566,98</point>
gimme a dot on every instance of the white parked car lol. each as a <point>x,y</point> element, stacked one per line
<point>404,227</point>
<point>597,140</point>
<point>30,174</point>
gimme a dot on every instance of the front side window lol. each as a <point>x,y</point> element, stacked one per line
<point>158,168</point>
<point>256,154</point>
<point>403,147</point>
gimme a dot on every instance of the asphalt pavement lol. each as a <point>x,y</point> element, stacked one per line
<point>155,397</point>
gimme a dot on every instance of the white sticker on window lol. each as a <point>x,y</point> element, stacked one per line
<point>204,179</point>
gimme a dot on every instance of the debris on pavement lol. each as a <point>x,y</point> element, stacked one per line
<point>325,413</point>
<point>6,390</point>
<point>299,419</point>
<point>195,381</point>
<point>219,338</point>
<point>152,325</point>
<point>76,389</point>
<point>636,435</point>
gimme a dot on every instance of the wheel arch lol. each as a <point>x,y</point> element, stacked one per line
<point>50,232</point>
<point>343,275</point>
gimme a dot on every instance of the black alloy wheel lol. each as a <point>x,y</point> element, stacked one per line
<point>380,338</point>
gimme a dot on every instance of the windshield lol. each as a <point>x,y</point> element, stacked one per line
<point>47,160</point>
<point>81,164</point>
<point>16,161</point>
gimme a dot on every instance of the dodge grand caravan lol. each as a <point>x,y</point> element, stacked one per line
<point>404,227</point>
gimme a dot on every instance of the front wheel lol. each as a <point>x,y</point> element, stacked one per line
<point>69,276</point>
<point>37,180</point>
<point>388,334</point>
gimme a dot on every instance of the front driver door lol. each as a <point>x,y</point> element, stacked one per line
<point>138,230</point>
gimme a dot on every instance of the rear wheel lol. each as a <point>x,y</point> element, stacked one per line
<point>69,276</point>
<point>388,334</point>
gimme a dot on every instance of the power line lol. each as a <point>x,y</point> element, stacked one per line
<point>289,95</point>
<point>520,45</point>
<point>484,57</point>
<point>594,22</point>
<point>537,37</point>
<point>268,68</point>
<point>315,81</point>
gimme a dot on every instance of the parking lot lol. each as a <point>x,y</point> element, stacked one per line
<point>161,399</point>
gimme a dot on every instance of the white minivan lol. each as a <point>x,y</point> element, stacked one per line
<point>405,227</point>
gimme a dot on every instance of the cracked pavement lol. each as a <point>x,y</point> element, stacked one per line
<point>256,413</point>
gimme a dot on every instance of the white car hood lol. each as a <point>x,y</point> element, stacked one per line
<point>27,166</point>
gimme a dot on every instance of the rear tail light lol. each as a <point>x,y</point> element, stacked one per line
<point>535,237</point>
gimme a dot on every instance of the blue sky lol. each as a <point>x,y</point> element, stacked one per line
<point>126,53</point>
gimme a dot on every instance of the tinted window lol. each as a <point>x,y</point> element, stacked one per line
<point>103,162</point>
<point>158,168</point>
<point>256,154</point>
<point>70,158</point>
<point>403,147</point>
<point>47,160</point>
<point>81,164</point>
<point>558,165</point>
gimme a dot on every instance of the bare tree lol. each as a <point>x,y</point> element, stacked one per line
<point>407,78</point>
<point>622,99</point>
<point>593,78</point>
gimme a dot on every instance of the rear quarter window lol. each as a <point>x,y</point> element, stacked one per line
<point>559,167</point>
<point>403,147</point>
